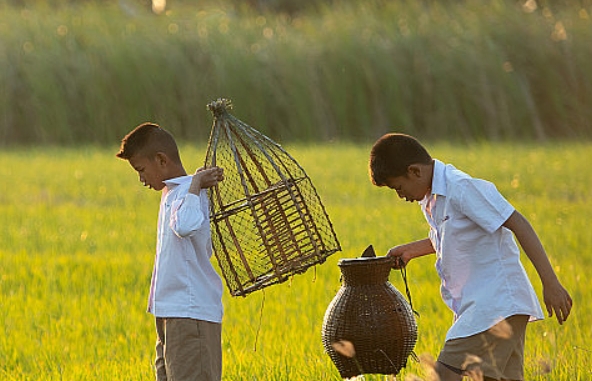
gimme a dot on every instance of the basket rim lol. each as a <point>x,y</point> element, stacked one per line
<point>366,260</point>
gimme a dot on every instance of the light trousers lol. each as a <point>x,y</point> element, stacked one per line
<point>188,350</point>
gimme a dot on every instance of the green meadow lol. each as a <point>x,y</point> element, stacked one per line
<point>77,244</point>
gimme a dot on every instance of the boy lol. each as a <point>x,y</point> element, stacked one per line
<point>185,292</point>
<point>482,280</point>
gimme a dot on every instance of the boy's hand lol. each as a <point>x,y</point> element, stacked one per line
<point>405,253</point>
<point>206,178</point>
<point>398,253</point>
<point>557,301</point>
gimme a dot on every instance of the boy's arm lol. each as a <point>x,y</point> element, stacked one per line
<point>187,215</point>
<point>408,251</point>
<point>556,297</point>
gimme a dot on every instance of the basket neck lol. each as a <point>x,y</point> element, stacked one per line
<point>365,271</point>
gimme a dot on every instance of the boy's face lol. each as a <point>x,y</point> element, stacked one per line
<point>414,185</point>
<point>150,170</point>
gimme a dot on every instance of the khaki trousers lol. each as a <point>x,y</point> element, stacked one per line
<point>188,350</point>
<point>496,354</point>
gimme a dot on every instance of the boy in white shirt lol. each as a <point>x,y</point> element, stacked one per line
<point>185,292</point>
<point>472,229</point>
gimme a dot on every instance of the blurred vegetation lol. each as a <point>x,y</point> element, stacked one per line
<point>89,71</point>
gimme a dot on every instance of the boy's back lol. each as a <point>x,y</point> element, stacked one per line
<point>477,259</point>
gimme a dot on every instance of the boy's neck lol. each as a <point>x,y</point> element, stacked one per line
<point>176,171</point>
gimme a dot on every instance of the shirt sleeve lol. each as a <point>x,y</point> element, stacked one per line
<point>481,202</point>
<point>187,215</point>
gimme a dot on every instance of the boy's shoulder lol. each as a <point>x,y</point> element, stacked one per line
<point>458,182</point>
<point>457,176</point>
<point>452,171</point>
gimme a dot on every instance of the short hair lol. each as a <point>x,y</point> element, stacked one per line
<point>392,154</point>
<point>147,139</point>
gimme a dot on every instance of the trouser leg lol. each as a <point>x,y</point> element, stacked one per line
<point>159,363</point>
<point>191,350</point>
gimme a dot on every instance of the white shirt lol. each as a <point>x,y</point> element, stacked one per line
<point>477,259</point>
<point>184,282</point>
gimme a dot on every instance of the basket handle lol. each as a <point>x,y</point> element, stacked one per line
<point>396,263</point>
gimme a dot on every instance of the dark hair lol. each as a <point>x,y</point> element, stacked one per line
<point>147,139</point>
<point>392,154</point>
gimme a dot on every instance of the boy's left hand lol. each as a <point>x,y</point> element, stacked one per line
<point>557,300</point>
<point>206,178</point>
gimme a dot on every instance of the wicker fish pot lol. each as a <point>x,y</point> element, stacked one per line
<point>268,222</point>
<point>369,327</point>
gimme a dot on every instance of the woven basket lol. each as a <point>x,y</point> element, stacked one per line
<point>268,222</point>
<point>371,315</point>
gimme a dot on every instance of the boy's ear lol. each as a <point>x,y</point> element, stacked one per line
<point>414,170</point>
<point>161,158</point>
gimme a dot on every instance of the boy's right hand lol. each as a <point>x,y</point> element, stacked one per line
<point>405,253</point>
<point>398,253</point>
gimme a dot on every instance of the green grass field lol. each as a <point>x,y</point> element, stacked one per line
<point>77,243</point>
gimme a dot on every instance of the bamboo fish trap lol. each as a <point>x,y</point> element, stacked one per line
<point>268,222</point>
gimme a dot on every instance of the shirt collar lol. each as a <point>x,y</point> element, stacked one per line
<point>171,183</point>
<point>439,178</point>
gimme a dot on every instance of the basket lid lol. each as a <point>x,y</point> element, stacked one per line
<point>366,261</point>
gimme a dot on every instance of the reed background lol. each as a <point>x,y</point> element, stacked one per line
<point>86,72</point>
<point>78,238</point>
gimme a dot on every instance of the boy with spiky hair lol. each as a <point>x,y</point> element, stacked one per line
<point>186,292</point>
<point>472,230</point>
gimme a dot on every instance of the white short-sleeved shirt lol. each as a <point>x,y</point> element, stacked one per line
<point>184,282</point>
<point>477,259</point>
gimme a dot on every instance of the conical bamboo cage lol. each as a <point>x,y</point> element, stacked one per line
<point>268,222</point>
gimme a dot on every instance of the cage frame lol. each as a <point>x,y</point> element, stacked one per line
<point>280,271</point>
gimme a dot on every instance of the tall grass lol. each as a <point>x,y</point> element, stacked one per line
<point>468,70</point>
<point>78,240</point>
